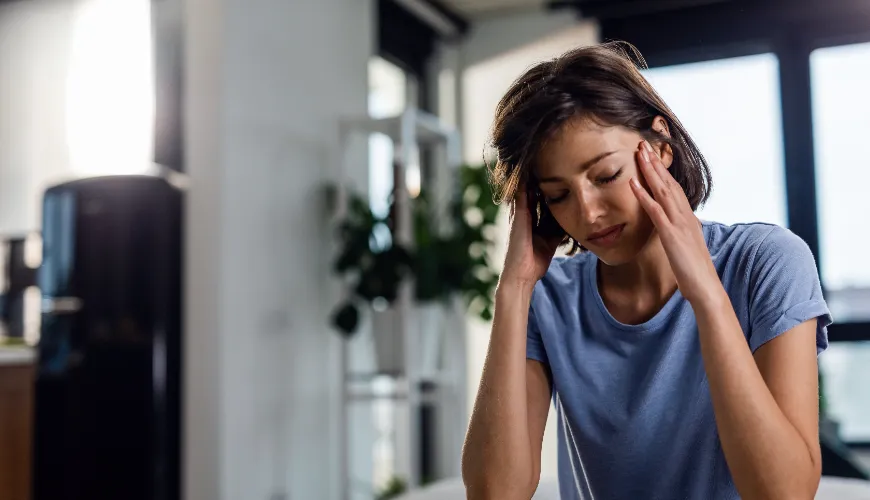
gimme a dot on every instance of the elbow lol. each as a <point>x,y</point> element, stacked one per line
<point>489,483</point>
<point>803,487</point>
<point>488,486</point>
<point>496,490</point>
<point>814,479</point>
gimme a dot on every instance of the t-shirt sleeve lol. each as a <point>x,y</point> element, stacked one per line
<point>534,342</point>
<point>785,290</point>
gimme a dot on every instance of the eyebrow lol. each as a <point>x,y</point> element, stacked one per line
<point>583,166</point>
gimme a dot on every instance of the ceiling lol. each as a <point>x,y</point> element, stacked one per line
<point>473,10</point>
<point>478,9</point>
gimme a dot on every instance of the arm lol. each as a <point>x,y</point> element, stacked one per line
<point>501,458</point>
<point>766,407</point>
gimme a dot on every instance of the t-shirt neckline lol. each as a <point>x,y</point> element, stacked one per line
<point>591,275</point>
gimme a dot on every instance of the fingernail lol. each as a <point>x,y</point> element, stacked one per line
<point>634,182</point>
<point>647,146</point>
<point>644,154</point>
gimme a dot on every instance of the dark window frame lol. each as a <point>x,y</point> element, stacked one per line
<point>725,30</point>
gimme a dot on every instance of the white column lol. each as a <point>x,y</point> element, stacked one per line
<point>266,84</point>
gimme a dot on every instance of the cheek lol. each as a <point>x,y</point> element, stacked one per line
<point>564,213</point>
<point>621,198</point>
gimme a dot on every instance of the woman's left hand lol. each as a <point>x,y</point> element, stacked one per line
<point>678,227</point>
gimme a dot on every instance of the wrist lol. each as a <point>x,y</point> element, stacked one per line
<point>711,300</point>
<point>515,287</point>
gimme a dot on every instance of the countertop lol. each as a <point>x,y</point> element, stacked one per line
<point>16,355</point>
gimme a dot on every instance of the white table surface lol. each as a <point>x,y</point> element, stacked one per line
<point>832,488</point>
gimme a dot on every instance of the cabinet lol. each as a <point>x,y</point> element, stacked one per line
<point>16,427</point>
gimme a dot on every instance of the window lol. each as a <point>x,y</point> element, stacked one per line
<point>731,108</point>
<point>845,368</point>
<point>379,419</point>
<point>387,97</point>
<point>840,78</point>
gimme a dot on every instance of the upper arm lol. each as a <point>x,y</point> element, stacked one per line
<point>539,387</point>
<point>538,390</point>
<point>785,290</point>
<point>788,329</point>
<point>788,364</point>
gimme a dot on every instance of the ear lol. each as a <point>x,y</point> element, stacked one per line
<point>660,126</point>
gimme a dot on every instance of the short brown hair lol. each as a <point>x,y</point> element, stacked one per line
<point>602,83</point>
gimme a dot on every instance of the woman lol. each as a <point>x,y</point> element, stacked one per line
<point>680,355</point>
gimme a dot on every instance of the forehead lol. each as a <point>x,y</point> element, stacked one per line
<point>580,140</point>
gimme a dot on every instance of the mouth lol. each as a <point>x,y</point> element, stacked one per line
<point>608,236</point>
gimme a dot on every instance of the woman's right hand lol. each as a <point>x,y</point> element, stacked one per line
<point>528,254</point>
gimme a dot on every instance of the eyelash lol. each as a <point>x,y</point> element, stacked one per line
<point>606,180</point>
<point>612,178</point>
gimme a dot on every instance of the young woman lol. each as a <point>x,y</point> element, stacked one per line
<point>680,355</point>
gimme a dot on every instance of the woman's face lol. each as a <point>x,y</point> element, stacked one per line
<point>584,172</point>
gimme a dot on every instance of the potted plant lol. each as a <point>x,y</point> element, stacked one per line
<point>395,487</point>
<point>449,258</point>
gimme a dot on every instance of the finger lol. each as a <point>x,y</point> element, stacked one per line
<point>660,189</point>
<point>677,195</point>
<point>650,206</point>
<point>652,175</point>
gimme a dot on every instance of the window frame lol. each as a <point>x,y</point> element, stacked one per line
<point>724,30</point>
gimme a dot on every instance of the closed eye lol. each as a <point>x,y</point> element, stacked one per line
<point>552,200</point>
<point>608,180</point>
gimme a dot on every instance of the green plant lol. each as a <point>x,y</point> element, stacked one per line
<point>394,487</point>
<point>450,254</point>
<point>823,400</point>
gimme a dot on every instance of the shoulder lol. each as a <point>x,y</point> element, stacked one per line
<point>563,279</point>
<point>756,242</point>
<point>770,258</point>
<point>777,271</point>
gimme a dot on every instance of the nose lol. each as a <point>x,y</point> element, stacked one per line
<point>590,204</point>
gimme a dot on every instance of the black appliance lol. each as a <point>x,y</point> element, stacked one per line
<point>108,384</point>
<point>17,277</point>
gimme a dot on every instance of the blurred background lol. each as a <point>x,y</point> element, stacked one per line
<point>248,250</point>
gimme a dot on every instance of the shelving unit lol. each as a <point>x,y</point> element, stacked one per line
<point>409,131</point>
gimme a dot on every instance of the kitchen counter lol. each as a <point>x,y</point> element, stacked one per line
<point>16,355</point>
<point>17,374</point>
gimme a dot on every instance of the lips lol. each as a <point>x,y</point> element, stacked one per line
<point>605,232</point>
<point>607,236</point>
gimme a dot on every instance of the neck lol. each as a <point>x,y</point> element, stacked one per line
<point>649,273</point>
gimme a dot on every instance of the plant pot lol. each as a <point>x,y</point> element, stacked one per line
<point>389,342</point>
<point>431,324</point>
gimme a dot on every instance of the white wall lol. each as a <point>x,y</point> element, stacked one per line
<point>266,83</point>
<point>34,58</point>
<point>496,36</point>
<point>487,74</point>
<point>68,76</point>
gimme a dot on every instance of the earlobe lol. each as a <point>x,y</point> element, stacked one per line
<point>666,155</point>
<point>663,149</point>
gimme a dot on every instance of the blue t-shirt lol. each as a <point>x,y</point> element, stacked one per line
<point>635,419</point>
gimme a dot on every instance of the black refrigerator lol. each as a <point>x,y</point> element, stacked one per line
<point>108,385</point>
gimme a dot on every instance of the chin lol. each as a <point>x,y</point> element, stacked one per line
<point>624,252</point>
<point>613,257</point>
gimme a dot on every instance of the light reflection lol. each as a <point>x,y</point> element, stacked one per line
<point>110,88</point>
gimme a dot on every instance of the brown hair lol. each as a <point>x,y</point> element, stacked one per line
<point>602,83</point>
